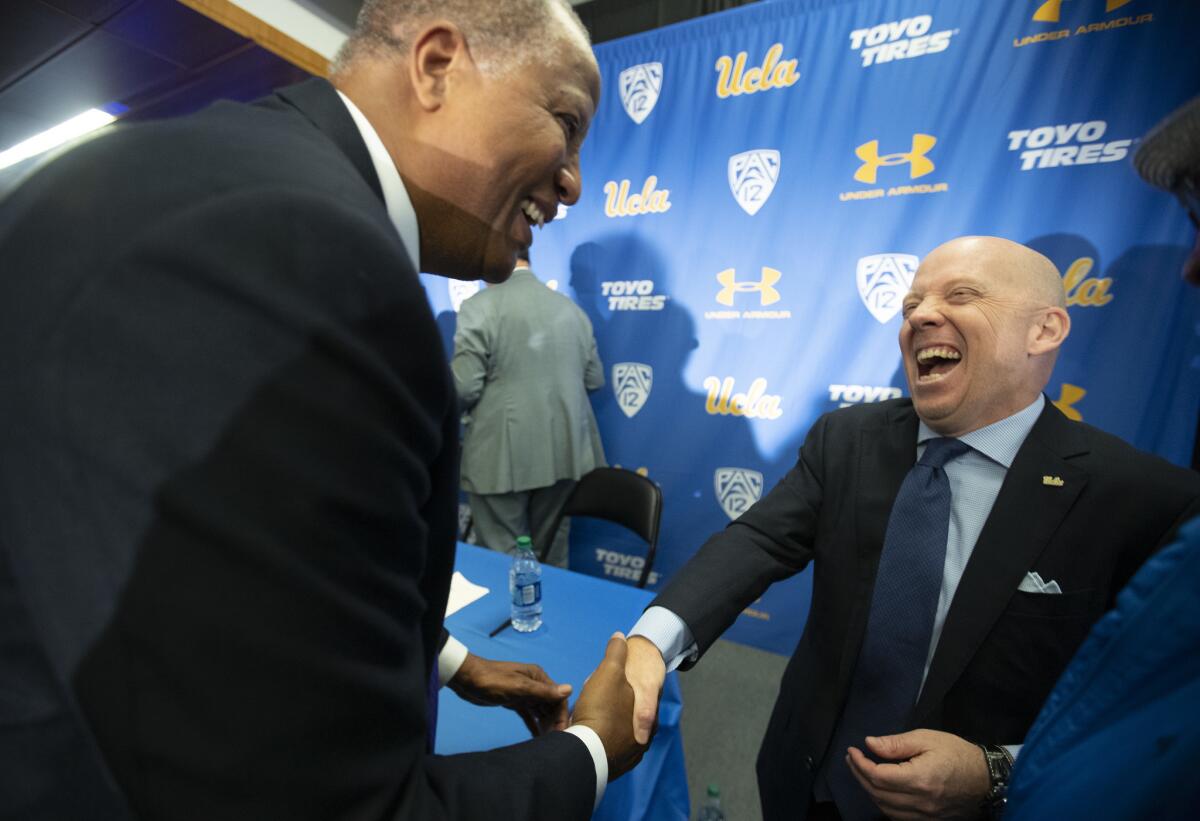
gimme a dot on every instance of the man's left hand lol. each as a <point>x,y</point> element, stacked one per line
<point>936,775</point>
<point>522,688</point>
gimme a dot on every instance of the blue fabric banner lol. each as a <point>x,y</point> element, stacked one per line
<point>760,185</point>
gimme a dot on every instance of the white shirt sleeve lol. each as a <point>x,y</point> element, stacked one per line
<point>596,747</point>
<point>453,654</point>
<point>668,633</point>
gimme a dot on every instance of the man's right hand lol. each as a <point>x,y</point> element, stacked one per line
<point>606,706</point>
<point>645,670</point>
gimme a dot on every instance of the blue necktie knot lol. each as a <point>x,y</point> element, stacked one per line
<point>940,451</point>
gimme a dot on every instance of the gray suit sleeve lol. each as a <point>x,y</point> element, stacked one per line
<point>593,374</point>
<point>472,347</point>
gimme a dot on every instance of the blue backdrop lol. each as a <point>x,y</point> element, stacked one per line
<point>759,186</point>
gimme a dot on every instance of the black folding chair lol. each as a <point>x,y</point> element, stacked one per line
<point>620,496</point>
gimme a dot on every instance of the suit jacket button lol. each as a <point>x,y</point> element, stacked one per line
<point>808,763</point>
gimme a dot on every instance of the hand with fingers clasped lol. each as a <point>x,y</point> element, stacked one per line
<point>523,688</point>
<point>645,670</point>
<point>924,774</point>
<point>606,706</point>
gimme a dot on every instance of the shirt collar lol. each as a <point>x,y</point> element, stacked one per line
<point>998,441</point>
<point>395,196</point>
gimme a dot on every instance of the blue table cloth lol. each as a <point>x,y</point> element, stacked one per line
<point>579,614</point>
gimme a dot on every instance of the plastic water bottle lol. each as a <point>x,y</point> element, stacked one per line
<point>711,811</point>
<point>525,588</point>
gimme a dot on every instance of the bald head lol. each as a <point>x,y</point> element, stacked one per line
<point>502,35</point>
<point>1011,263</point>
<point>983,323</point>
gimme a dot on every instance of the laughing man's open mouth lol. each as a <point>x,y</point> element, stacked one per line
<point>934,362</point>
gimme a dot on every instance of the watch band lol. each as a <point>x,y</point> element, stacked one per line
<point>999,763</point>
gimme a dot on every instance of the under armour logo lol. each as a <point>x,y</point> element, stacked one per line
<point>919,164</point>
<point>767,294</point>
<point>1067,397</point>
<point>1051,10</point>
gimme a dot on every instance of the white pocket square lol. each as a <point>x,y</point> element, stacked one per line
<point>1033,583</point>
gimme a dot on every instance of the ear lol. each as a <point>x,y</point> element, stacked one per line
<point>438,52</point>
<point>1049,331</point>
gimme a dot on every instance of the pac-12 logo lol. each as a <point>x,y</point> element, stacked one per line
<point>631,383</point>
<point>737,489</point>
<point>883,280</point>
<point>752,177</point>
<point>918,163</point>
<point>640,86</point>
<point>461,290</point>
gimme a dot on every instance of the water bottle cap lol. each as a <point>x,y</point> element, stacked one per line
<point>525,543</point>
<point>714,791</point>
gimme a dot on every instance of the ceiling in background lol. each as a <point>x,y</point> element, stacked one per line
<point>158,57</point>
<point>161,58</point>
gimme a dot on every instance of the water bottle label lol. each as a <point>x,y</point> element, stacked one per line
<point>527,594</point>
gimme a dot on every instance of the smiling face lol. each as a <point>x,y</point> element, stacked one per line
<point>504,156</point>
<point>982,325</point>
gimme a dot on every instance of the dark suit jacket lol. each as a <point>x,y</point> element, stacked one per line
<point>228,479</point>
<point>1000,650</point>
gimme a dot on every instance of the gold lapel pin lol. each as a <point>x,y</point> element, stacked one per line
<point>1052,481</point>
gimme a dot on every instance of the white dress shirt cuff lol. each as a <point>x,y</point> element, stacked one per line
<point>1013,749</point>
<point>453,654</point>
<point>669,634</point>
<point>596,747</point>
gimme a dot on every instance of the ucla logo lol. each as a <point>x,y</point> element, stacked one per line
<point>631,383</point>
<point>1051,10</point>
<point>1085,291</point>
<point>618,202</point>
<point>733,78</point>
<point>883,280</point>
<point>640,86</point>
<point>737,489</point>
<point>755,403</point>
<point>767,294</point>
<point>752,176</point>
<point>460,291</point>
<point>918,164</point>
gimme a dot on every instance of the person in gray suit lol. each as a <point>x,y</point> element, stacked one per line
<point>524,361</point>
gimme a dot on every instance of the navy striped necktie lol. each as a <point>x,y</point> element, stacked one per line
<point>891,664</point>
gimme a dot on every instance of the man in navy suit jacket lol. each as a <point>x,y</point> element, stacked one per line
<point>1049,519</point>
<point>229,438</point>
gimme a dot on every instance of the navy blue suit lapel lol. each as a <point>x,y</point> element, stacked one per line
<point>1024,518</point>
